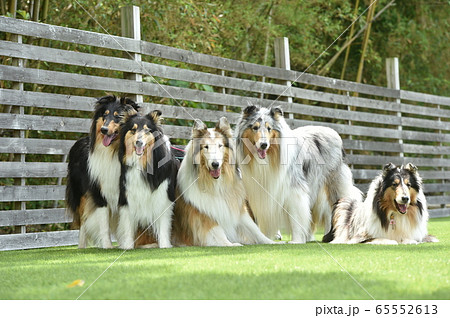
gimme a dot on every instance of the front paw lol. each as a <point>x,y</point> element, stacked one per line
<point>236,244</point>
<point>296,242</point>
<point>410,242</point>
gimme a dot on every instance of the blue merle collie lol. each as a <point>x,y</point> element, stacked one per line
<point>92,192</point>
<point>394,211</point>
<point>147,181</point>
<point>292,177</point>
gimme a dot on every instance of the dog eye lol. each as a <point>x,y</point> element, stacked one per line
<point>220,145</point>
<point>269,129</point>
<point>255,128</point>
<point>133,131</point>
<point>205,147</point>
<point>408,185</point>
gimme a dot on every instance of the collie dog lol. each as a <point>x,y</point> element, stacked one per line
<point>211,205</point>
<point>92,192</point>
<point>292,177</point>
<point>147,180</point>
<point>394,211</point>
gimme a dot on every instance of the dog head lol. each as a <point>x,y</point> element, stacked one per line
<point>259,128</point>
<point>401,186</point>
<point>212,146</point>
<point>108,113</point>
<point>138,135</point>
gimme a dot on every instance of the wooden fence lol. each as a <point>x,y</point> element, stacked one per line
<point>40,61</point>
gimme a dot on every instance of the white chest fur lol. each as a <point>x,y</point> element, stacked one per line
<point>104,168</point>
<point>145,205</point>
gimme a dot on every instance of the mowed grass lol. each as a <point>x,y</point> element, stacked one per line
<point>308,271</point>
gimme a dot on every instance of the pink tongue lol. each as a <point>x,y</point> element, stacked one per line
<point>262,153</point>
<point>402,208</point>
<point>215,173</point>
<point>139,151</point>
<point>108,139</point>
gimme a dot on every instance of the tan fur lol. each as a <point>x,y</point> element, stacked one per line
<point>189,224</point>
<point>87,207</point>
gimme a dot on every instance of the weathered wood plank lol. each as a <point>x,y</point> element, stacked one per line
<point>32,193</point>
<point>46,100</point>
<point>33,169</point>
<point>35,146</point>
<point>45,123</point>
<point>37,216</point>
<point>437,187</point>
<point>425,98</point>
<point>438,199</point>
<point>38,240</point>
<point>382,160</point>
<point>439,213</point>
<point>367,174</point>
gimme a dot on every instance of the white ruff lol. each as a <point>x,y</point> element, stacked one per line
<point>104,167</point>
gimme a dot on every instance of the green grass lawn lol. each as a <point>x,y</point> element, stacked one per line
<point>308,271</point>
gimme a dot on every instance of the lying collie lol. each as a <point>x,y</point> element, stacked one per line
<point>292,177</point>
<point>92,192</point>
<point>211,205</point>
<point>395,211</point>
<point>147,180</point>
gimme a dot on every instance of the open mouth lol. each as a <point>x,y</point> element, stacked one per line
<point>215,173</point>
<point>108,139</point>
<point>401,207</point>
<point>139,151</point>
<point>262,153</point>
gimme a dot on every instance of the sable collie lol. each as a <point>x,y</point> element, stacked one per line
<point>92,192</point>
<point>147,180</point>
<point>211,207</point>
<point>395,211</point>
<point>292,177</point>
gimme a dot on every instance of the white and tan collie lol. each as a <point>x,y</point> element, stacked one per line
<point>211,207</point>
<point>395,211</point>
<point>147,180</point>
<point>292,177</point>
<point>92,192</point>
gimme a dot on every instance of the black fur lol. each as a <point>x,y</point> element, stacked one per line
<point>159,172</point>
<point>305,167</point>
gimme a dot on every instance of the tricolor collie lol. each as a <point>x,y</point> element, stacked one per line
<point>395,211</point>
<point>147,181</point>
<point>92,192</point>
<point>211,207</point>
<point>292,177</point>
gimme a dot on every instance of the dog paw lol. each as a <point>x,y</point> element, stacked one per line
<point>165,246</point>
<point>236,244</point>
<point>153,245</point>
<point>295,242</point>
<point>410,242</point>
<point>382,242</point>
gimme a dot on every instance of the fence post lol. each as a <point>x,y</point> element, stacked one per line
<point>393,81</point>
<point>283,60</point>
<point>131,28</point>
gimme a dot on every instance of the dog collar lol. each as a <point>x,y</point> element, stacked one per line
<point>392,221</point>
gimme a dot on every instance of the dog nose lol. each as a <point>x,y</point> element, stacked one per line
<point>405,199</point>
<point>104,130</point>
<point>139,143</point>
<point>263,145</point>
<point>215,165</point>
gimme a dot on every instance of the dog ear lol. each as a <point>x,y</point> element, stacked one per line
<point>388,167</point>
<point>127,114</point>
<point>411,167</point>
<point>276,112</point>
<point>155,115</point>
<point>199,128</point>
<point>130,102</point>
<point>223,126</point>
<point>249,110</point>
